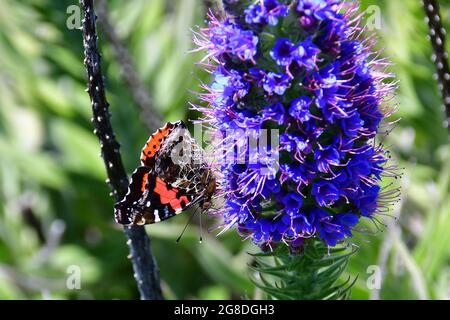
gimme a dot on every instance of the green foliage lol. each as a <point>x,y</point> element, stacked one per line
<point>49,161</point>
<point>312,274</point>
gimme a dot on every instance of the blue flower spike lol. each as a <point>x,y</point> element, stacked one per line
<point>303,69</point>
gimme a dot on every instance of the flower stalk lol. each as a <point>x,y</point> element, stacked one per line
<point>144,265</point>
<point>306,70</point>
<point>315,274</point>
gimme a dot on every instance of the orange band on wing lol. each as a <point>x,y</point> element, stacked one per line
<point>154,143</point>
<point>169,196</point>
<point>144,181</point>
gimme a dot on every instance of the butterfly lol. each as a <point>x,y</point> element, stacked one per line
<point>173,177</point>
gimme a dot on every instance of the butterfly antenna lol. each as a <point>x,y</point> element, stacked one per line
<point>185,227</point>
<point>201,228</point>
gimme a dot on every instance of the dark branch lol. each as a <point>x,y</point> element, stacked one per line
<point>440,56</point>
<point>145,269</point>
<point>138,90</point>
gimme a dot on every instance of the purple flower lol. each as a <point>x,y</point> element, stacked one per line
<point>351,125</point>
<point>314,85</point>
<point>306,54</point>
<point>317,9</point>
<point>276,83</point>
<point>292,203</point>
<point>299,109</point>
<point>297,173</point>
<point>255,14</point>
<point>266,13</point>
<point>228,87</point>
<point>284,52</point>
<point>275,112</point>
<point>325,193</point>
<point>332,229</point>
<point>327,157</point>
<point>367,200</point>
<point>230,38</point>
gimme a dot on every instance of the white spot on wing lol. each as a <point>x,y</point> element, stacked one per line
<point>156,214</point>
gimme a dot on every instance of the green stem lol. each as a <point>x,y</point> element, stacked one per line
<point>313,274</point>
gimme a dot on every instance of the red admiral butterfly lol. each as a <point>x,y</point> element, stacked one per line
<point>172,177</point>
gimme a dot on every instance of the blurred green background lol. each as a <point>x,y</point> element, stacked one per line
<point>55,211</point>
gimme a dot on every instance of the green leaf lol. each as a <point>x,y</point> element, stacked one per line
<point>312,274</point>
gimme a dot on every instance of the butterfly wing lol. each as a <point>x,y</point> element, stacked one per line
<point>124,211</point>
<point>156,140</point>
<point>151,199</point>
<point>169,180</point>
